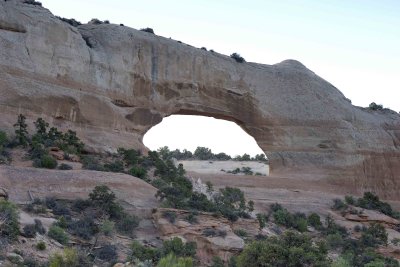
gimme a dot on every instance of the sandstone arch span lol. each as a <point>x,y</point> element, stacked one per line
<point>112,83</point>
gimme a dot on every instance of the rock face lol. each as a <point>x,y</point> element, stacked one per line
<point>223,245</point>
<point>112,83</point>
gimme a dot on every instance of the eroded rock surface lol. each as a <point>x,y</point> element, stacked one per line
<point>112,83</point>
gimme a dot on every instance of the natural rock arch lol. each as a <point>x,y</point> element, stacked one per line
<point>112,83</point>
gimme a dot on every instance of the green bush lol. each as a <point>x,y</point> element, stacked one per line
<point>172,261</point>
<point>41,245</point>
<point>374,106</point>
<point>288,250</point>
<point>241,233</point>
<point>180,249</point>
<point>46,161</point>
<point>169,215</point>
<point>314,220</point>
<point>262,220</point>
<point>116,166</point>
<point>237,58</point>
<point>58,234</point>
<point>84,228</point>
<point>338,204</point>
<point>371,201</point>
<point>29,230</point>
<point>107,227</point>
<point>107,253</point>
<point>349,200</point>
<point>126,224</point>
<point>142,253</point>
<point>375,235</point>
<point>217,262</point>
<point>10,221</point>
<point>138,172</point>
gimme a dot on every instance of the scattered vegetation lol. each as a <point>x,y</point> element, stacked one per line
<point>204,153</point>
<point>369,201</point>
<point>290,249</point>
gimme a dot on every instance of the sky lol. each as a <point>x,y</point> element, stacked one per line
<point>353,44</point>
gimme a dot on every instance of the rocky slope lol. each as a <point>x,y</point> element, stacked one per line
<point>112,83</point>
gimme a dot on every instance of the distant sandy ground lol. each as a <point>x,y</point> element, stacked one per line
<point>222,167</point>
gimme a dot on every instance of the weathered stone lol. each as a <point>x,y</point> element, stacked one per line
<point>3,193</point>
<point>112,84</point>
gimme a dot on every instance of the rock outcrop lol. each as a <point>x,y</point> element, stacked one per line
<point>224,243</point>
<point>112,83</point>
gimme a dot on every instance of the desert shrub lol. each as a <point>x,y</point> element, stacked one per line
<point>237,57</point>
<point>338,204</point>
<point>262,220</point>
<point>107,227</point>
<point>332,228</point>
<point>65,167</point>
<point>288,250</point>
<point>371,201</point>
<point>374,106</point>
<point>41,245</point>
<point>39,227</point>
<point>334,240</point>
<point>211,232</point>
<point>80,205</point>
<point>130,156</point>
<point>58,208</point>
<point>241,233</point>
<point>191,218</point>
<point>46,161</point>
<point>91,163</point>
<point>172,261</point>
<point>107,253</point>
<point>102,196</point>
<point>116,166</point>
<point>69,258</point>
<point>349,200</point>
<point>375,235</point>
<point>142,253</point>
<point>314,220</point>
<point>199,201</point>
<point>149,30</point>
<point>58,234</point>
<point>231,203</point>
<point>217,262</point>
<point>29,230</point>
<point>84,228</point>
<point>126,224</point>
<point>177,247</point>
<point>138,172</point>
<point>3,140</point>
<point>9,219</point>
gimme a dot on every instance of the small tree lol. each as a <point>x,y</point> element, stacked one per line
<point>20,131</point>
<point>41,130</point>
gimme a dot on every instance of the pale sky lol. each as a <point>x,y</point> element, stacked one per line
<point>353,44</point>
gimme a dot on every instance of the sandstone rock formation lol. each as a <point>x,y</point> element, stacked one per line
<point>207,246</point>
<point>112,84</point>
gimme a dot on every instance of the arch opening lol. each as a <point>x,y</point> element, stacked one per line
<point>208,145</point>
